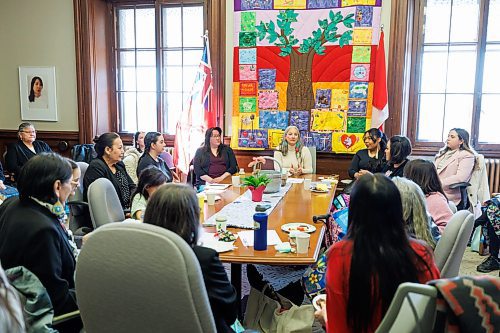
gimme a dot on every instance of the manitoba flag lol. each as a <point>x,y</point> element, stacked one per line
<point>380,106</point>
<point>196,116</point>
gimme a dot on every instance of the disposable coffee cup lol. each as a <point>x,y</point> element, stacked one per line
<point>210,198</point>
<point>235,181</point>
<point>292,236</point>
<point>307,184</point>
<point>220,223</point>
<point>302,240</point>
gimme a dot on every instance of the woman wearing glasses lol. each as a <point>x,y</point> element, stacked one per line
<point>214,161</point>
<point>18,153</point>
<point>32,231</point>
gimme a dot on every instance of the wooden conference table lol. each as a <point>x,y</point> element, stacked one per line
<point>298,205</point>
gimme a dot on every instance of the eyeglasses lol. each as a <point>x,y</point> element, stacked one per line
<point>29,132</point>
<point>75,184</point>
<point>215,136</point>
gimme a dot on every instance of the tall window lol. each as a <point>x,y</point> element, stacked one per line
<point>457,71</point>
<point>157,52</point>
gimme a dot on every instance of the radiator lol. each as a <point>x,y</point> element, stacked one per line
<point>493,171</point>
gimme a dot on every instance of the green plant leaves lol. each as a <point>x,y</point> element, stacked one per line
<point>256,181</point>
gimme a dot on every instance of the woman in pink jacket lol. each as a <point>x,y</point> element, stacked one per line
<point>455,162</point>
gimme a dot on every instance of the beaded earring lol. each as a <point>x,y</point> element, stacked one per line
<point>57,208</point>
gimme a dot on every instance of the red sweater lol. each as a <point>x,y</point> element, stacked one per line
<point>337,285</point>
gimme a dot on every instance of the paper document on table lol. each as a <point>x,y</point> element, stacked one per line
<point>247,237</point>
<point>295,180</point>
<point>239,213</point>
<point>208,239</point>
<point>216,186</point>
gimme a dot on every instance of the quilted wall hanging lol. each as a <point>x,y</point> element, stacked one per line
<point>308,63</point>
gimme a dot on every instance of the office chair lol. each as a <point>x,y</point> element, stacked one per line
<point>451,247</point>
<point>136,277</point>
<point>104,203</point>
<point>413,309</point>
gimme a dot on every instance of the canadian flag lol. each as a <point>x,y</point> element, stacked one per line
<point>380,107</point>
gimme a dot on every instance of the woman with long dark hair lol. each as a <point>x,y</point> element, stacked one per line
<point>154,143</point>
<point>366,267</point>
<point>455,162</point>
<point>36,87</point>
<point>175,207</point>
<point>424,173</point>
<point>369,159</point>
<point>214,161</point>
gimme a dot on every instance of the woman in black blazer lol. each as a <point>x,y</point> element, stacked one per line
<point>32,233</point>
<point>108,164</point>
<point>214,161</point>
<point>18,153</point>
<point>175,207</point>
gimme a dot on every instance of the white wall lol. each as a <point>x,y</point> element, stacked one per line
<point>38,33</point>
<point>385,21</point>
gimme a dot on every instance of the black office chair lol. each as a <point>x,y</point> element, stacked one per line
<point>191,177</point>
<point>464,201</point>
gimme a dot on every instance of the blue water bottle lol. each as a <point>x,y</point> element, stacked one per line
<point>260,231</point>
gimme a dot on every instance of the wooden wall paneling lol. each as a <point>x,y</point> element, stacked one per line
<point>60,142</point>
<point>398,48</point>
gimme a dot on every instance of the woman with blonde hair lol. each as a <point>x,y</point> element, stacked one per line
<point>415,215</point>
<point>292,154</point>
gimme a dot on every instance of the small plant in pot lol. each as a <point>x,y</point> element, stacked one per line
<point>257,185</point>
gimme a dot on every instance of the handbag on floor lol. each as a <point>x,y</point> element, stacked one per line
<point>269,315</point>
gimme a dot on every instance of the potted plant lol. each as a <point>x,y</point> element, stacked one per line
<point>257,185</point>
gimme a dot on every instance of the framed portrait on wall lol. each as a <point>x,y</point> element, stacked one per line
<point>37,87</point>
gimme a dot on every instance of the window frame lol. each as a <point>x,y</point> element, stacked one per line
<point>160,116</point>
<point>412,15</point>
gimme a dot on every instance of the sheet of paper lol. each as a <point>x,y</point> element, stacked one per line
<point>295,180</point>
<point>208,239</point>
<point>217,186</point>
<point>247,237</point>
